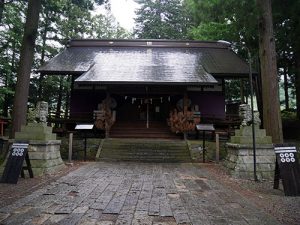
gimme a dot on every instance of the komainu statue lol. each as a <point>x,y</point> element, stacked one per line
<point>246,117</point>
<point>41,112</point>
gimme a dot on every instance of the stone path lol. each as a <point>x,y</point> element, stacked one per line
<point>135,193</point>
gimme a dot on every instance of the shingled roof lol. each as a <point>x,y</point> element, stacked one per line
<point>146,61</point>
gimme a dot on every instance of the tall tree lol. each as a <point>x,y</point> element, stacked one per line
<point>11,31</point>
<point>161,19</point>
<point>24,69</point>
<point>270,94</point>
<point>1,9</point>
<point>286,27</point>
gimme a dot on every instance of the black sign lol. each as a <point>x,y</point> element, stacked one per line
<point>14,164</point>
<point>287,168</point>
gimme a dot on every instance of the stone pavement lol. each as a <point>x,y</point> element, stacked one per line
<point>135,193</point>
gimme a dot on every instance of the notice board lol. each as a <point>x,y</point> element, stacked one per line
<point>14,163</point>
<point>287,169</point>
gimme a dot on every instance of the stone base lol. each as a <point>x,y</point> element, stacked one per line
<point>35,131</point>
<point>244,136</point>
<point>44,157</point>
<point>239,161</point>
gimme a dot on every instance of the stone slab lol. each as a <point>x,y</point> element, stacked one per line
<point>135,193</point>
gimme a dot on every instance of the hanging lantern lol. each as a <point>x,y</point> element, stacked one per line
<point>161,99</point>
<point>169,98</point>
<point>125,97</point>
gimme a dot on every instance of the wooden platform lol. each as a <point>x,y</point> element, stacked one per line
<point>138,129</point>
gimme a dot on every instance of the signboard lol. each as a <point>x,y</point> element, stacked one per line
<point>14,164</point>
<point>84,126</point>
<point>287,168</point>
<point>203,128</point>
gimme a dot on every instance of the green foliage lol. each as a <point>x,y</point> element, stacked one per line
<point>225,20</point>
<point>60,20</point>
<point>10,41</point>
<point>287,31</point>
<point>211,31</point>
<point>288,115</point>
<point>161,19</point>
<point>105,26</point>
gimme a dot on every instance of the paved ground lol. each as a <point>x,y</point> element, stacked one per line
<point>131,193</point>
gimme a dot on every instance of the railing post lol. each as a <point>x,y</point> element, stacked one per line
<point>217,148</point>
<point>70,148</point>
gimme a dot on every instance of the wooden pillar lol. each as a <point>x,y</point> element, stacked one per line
<point>185,102</point>
<point>106,124</point>
<point>185,109</point>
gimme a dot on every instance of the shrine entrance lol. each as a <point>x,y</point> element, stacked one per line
<point>152,108</point>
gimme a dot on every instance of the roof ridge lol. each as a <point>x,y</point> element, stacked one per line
<point>145,43</point>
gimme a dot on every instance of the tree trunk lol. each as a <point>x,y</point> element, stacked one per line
<point>286,88</point>
<point>270,94</point>
<point>1,9</point>
<point>24,70</point>
<point>297,82</point>
<point>44,39</point>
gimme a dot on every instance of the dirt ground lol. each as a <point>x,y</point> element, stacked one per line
<point>284,209</point>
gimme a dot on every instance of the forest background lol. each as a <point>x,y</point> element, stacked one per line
<point>62,20</point>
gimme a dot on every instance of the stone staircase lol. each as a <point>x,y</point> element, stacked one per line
<point>143,150</point>
<point>138,129</point>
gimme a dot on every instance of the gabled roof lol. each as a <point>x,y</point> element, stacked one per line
<point>146,61</point>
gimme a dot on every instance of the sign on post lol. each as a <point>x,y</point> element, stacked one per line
<point>14,164</point>
<point>83,128</point>
<point>287,169</point>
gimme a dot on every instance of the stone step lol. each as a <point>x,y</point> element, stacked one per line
<point>145,150</point>
<point>135,154</point>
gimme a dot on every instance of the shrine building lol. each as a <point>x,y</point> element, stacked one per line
<point>141,81</point>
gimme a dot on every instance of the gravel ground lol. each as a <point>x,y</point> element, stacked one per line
<point>284,209</point>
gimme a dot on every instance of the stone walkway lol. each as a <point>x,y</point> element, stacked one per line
<point>135,193</point>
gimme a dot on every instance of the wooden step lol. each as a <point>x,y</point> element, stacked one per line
<point>138,129</point>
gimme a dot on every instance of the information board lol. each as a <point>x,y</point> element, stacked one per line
<point>203,128</point>
<point>84,128</point>
<point>14,163</point>
<point>287,169</point>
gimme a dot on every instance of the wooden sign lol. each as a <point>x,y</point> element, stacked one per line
<point>287,168</point>
<point>14,164</point>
